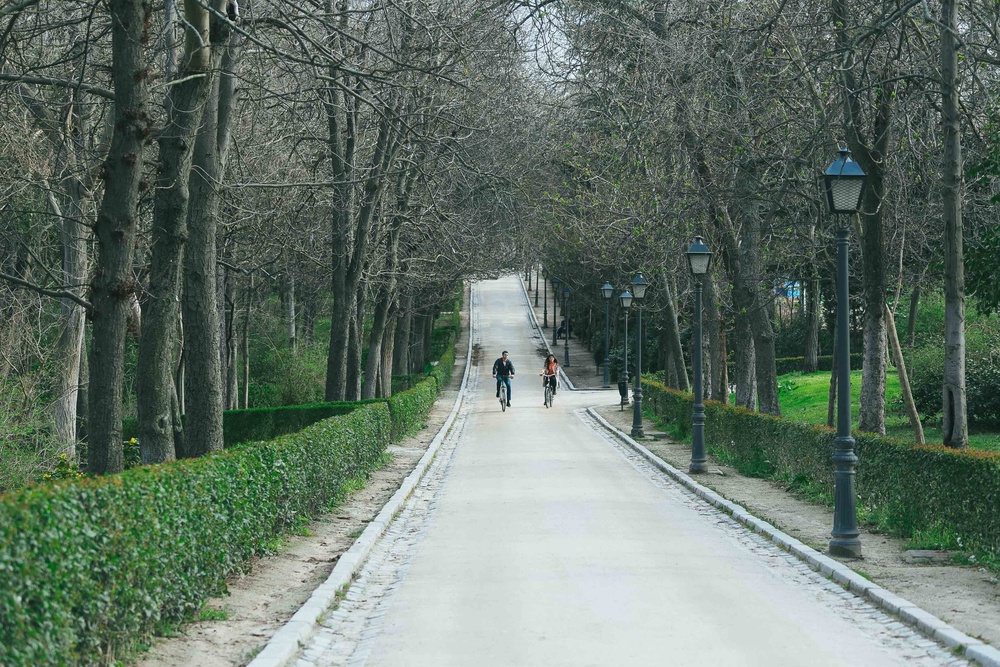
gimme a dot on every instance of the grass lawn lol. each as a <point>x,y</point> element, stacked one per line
<point>804,398</point>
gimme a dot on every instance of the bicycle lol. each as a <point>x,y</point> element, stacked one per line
<point>548,389</point>
<point>501,385</point>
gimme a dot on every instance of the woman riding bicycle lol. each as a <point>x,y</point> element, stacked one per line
<point>550,373</point>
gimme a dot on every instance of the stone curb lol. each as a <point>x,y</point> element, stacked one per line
<point>906,611</point>
<point>535,325</point>
<point>286,642</point>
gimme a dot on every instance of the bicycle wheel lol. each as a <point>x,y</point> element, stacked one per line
<point>503,404</point>
<point>548,396</point>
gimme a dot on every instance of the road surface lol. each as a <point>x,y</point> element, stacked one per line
<point>537,539</point>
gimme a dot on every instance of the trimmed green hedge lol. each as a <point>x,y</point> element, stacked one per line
<point>90,567</point>
<point>903,488</point>
<point>256,424</point>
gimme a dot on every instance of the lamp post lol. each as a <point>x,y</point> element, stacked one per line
<point>639,286</point>
<point>607,291</point>
<point>529,277</point>
<point>844,183</point>
<point>545,303</point>
<point>555,300</point>
<point>626,301</point>
<point>537,283</point>
<point>566,333</point>
<point>699,257</point>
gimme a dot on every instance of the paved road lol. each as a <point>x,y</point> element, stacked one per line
<point>535,539</point>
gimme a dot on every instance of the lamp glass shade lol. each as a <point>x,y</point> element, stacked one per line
<point>626,299</point>
<point>844,182</point>
<point>699,257</point>
<point>607,291</point>
<point>565,291</point>
<point>639,285</point>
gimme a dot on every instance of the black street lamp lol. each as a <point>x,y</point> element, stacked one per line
<point>639,286</point>
<point>607,291</point>
<point>537,283</point>
<point>545,303</point>
<point>699,257</point>
<point>844,183</point>
<point>566,332</point>
<point>555,301</point>
<point>626,302</point>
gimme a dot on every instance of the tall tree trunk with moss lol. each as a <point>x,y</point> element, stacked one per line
<point>113,287</point>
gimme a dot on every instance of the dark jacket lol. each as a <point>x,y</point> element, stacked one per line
<point>502,368</point>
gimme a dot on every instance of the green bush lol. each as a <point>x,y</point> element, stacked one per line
<point>409,408</point>
<point>905,488</point>
<point>88,568</point>
<point>256,424</point>
<point>982,378</point>
<point>282,376</point>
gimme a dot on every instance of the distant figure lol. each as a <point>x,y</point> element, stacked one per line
<point>563,331</point>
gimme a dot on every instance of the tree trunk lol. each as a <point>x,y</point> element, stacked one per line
<point>388,347</point>
<point>231,384</point>
<point>344,361</point>
<point>745,358</point>
<point>115,230</point>
<point>722,391</point>
<point>911,325</point>
<point>83,395</point>
<point>904,380</point>
<point>290,312</point>
<point>201,312</point>
<point>831,403</point>
<point>810,358</point>
<point>74,235</point>
<point>245,353</point>
<point>955,425</point>
<point>185,103</point>
<point>401,350</point>
<point>710,317</point>
<point>673,334</point>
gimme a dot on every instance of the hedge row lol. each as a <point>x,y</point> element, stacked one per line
<point>87,568</point>
<point>256,424</point>
<point>91,567</point>
<point>904,488</point>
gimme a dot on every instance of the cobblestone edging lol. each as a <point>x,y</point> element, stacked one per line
<point>533,320</point>
<point>851,582</point>
<point>286,642</point>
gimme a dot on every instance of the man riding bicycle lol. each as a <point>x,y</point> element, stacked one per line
<point>503,371</point>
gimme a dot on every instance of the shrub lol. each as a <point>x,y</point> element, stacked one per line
<point>286,377</point>
<point>90,567</point>
<point>982,378</point>
<point>906,488</point>
<point>256,424</point>
<point>409,408</point>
